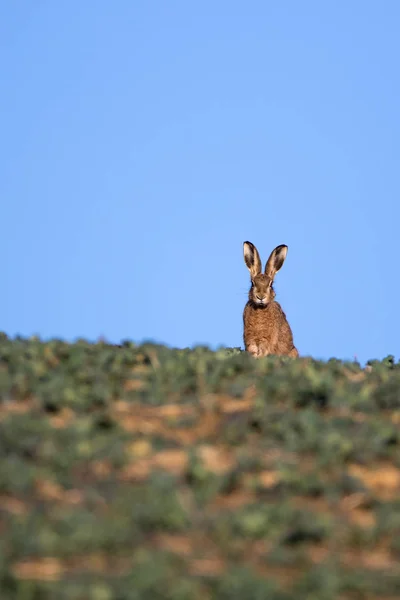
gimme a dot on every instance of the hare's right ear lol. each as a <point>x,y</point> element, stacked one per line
<point>252,258</point>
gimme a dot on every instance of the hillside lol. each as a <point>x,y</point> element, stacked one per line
<point>146,473</point>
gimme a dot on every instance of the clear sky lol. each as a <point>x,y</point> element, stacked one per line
<point>143,141</point>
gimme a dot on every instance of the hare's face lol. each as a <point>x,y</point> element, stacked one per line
<point>261,291</point>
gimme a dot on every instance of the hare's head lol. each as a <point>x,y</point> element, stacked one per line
<point>262,291</point>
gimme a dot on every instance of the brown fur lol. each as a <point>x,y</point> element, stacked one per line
<point>266,330</point>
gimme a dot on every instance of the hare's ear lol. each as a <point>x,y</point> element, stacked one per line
<point>252,258</point>
<point>276,260</point>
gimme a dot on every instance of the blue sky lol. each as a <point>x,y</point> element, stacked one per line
<point>143,142</point>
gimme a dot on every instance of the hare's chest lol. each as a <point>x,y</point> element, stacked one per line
<point>261,336</point>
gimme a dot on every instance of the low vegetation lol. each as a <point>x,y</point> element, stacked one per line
<point>148,473</point>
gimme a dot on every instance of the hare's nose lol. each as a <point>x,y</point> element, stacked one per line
<point>260,297</point>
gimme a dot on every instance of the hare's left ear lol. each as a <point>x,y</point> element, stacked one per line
<point>276,260</point>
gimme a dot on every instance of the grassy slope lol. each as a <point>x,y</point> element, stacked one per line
<point>150,473</point>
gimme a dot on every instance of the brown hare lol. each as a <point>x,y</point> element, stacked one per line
<point>266,330</point>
